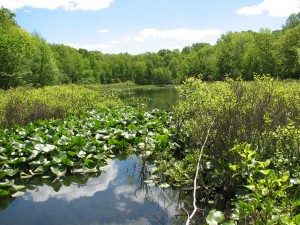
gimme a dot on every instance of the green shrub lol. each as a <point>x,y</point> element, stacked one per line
<point>23,105</point>
<point>264,113</point>
<point>242,111</point>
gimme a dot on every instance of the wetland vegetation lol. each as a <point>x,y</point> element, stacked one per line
<point>240,133</point>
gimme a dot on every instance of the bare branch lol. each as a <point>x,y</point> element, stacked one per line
<point>196,177</point>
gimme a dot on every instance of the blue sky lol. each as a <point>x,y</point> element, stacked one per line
<point>136,26</point>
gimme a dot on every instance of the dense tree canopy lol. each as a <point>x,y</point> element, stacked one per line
<point>27,59</point>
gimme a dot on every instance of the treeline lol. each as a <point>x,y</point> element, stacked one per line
<point>27,59</point>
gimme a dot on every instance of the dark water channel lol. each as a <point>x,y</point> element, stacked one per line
<point>117,195</point>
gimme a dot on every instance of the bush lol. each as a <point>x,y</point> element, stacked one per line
<point>23,105</point>
<point>264,113</point>
<point>241,111</point>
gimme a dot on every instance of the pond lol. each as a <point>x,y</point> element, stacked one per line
<point>158,97</point>
<point>117,195</point>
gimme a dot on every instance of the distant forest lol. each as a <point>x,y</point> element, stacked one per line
<point>27,59</point>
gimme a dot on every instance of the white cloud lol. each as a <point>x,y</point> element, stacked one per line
<point>278,8</point>
<point>90,47</point>
<point>115,42</point>
<point>151,194</point>
<point>103,31</point>
<point>54,4</point>
<point>152,40</point>
<point>27,11</point>
<point>178,34</point>
<point>74,191</point>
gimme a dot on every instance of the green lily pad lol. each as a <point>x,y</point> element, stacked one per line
<point>44,147</point>
<point>11,172</point>
<point>18,194</point>
<point>57,172</point>
<point>2,174</point>
<point>3,193</point>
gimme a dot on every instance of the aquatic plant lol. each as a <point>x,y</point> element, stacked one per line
<point>82,144</point>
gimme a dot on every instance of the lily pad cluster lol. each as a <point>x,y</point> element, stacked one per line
<point>78,145</point>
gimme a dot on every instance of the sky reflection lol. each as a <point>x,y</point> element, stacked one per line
<point>117,197</point>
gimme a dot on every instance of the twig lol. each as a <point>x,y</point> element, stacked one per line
<point>196,177</point>
<point>190,216</point>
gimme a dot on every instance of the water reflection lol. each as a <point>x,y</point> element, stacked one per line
<point>69,193</point>
<point>117,196</point>
<point>159,97</point>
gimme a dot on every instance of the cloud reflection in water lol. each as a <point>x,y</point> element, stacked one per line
<point>73,191</point>
<point>117,197</point>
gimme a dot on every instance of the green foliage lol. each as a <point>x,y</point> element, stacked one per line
<point>78,144</point>
<point>43,68</point>
<point>23,105</point>
<point>15,54</point>
<point>27,59</point>
<point>263,113</point>
<point>292,21</point>
<point>7,18</point>
<point>215,217</point>
<point>269,191</point>
<point>242,111</point>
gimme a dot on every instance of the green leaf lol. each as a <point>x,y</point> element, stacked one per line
<point>99,156</point>
<point>233,167</point>
<point>11,172</point>
<point>231,222</point>
<point>34,153</point>
<point>57,172</point>
<point>251,187</point>
<point>17,145</point>
<point>3,193</point>
<point>2,174</point>
<point>132,127</point>
<point>18,187</point>
<point>17,194</point>
<point>39,170</point>
<point>129,136</point>
<point>285,175</point>
<point>71,153</point>
<point>24,175</point>
<point>79,141</point>
<point>81,154</point>
<point>296,219</point>
<point>149,182</point>
<point>17,160</point>
<point>65,160</point>
<point>85,170</point>
<point>296,199</point>
<point>265,172</point>
<point>44,147</point>
<point>164,185</point>
<point>215,217</point>
<point>7,183</point>
<point>63,140</point>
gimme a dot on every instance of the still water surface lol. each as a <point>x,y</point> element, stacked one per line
<point>159,97</point>
<point>115,196</point>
